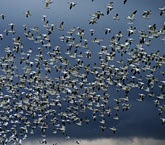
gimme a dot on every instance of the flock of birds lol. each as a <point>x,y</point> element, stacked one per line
<point>42,87</point>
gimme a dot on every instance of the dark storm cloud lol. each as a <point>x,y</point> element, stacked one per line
<point>142,120</point>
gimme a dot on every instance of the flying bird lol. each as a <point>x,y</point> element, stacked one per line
<point>2,16</point>
<point>28,13</point>
<point>125,2</point>
<point>162,10</point>
<point>61,26</point>
<point>163,120</point>
<point>113,129</point>
<point>71,5</point>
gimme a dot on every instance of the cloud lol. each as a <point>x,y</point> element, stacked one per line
<point>101,141</point>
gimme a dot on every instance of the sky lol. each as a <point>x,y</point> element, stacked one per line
<point>139,125</point>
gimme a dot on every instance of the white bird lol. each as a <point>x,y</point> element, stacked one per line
<point>47,2</point>
<point>78,141</point>
<point>44,141</point>
<point>113,129</point>
<point>1,36</point>
<point>162,10</point>
<point>116,17</point>
<point>61,26</point>
<point>44,18</point>
<point>163,120</point>
<point>71,4</point>
<point>28,13</point>
<point>146,14</point>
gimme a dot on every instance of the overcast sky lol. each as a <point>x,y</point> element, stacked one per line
<point>141,124</point>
